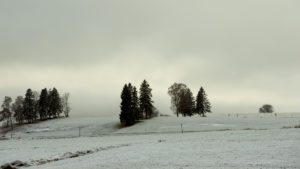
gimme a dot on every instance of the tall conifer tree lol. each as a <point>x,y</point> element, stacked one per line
<point>55,107</point>
<point>29,107</point>
<point>146,106</point>
<point>203,105</point>
<point>135,105</point>
<point>127,116</point>
<point>43,104</point>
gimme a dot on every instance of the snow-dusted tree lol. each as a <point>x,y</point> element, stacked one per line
<point>127,116</point>
<point>146,103</point>
<point>18,108</point>
<point>65,104</point>
<point>43,104</point>
<point>266,108</point>
<point>203,105</point>
<point>29,107</point>
<point>186,103</point>
<point>175,93</point>
<point>6,113</point>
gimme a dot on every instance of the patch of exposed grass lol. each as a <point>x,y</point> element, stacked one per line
<point>289,127</point>
<point>224,130</point>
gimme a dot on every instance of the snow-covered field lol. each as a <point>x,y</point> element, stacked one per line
<point>218,141</point>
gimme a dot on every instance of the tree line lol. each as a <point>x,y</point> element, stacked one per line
<point>134,107</point>
<point>183,101</point>
<point>35,106</point>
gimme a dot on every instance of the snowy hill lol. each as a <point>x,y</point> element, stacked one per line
<point>99,126</point>
<point>67,127</point>
<point>218,141</point>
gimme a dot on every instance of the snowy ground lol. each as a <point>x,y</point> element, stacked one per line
<point>218,141</point>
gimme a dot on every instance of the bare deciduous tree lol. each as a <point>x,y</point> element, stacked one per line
<point>175,91</point>
<point>6,113</point>
<point>66,104</point>
<point>18,108</point>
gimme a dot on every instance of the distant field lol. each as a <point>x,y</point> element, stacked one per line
<point>217,141</point>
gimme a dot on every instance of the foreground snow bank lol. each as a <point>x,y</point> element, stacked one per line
<point>276,148</point>
<point>218,141</point>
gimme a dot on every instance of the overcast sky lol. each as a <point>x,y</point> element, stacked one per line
<point>244,53</point>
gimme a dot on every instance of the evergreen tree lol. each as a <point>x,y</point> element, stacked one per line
<point>6,113</point>
<point>127,116</point>
<point>29,106</point>
<point>186,103</point>
<point>135,105</point>
<point>203,105</point>
<point>49,100</point>
<point>130,87</point>
<point>18,108</point>
<point>43,104</point>
<point>134,101</point>
<point>55,107</point>
<point>146,106</point>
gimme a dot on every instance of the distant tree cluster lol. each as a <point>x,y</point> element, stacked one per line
<point>134,108</point>
<point>266,108</point>
<point>184,103</point>
<point>46,105</point>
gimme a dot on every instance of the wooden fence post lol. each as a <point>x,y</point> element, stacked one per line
<point>181,129</point>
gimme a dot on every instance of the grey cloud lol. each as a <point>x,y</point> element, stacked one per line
<point>248,48</point>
